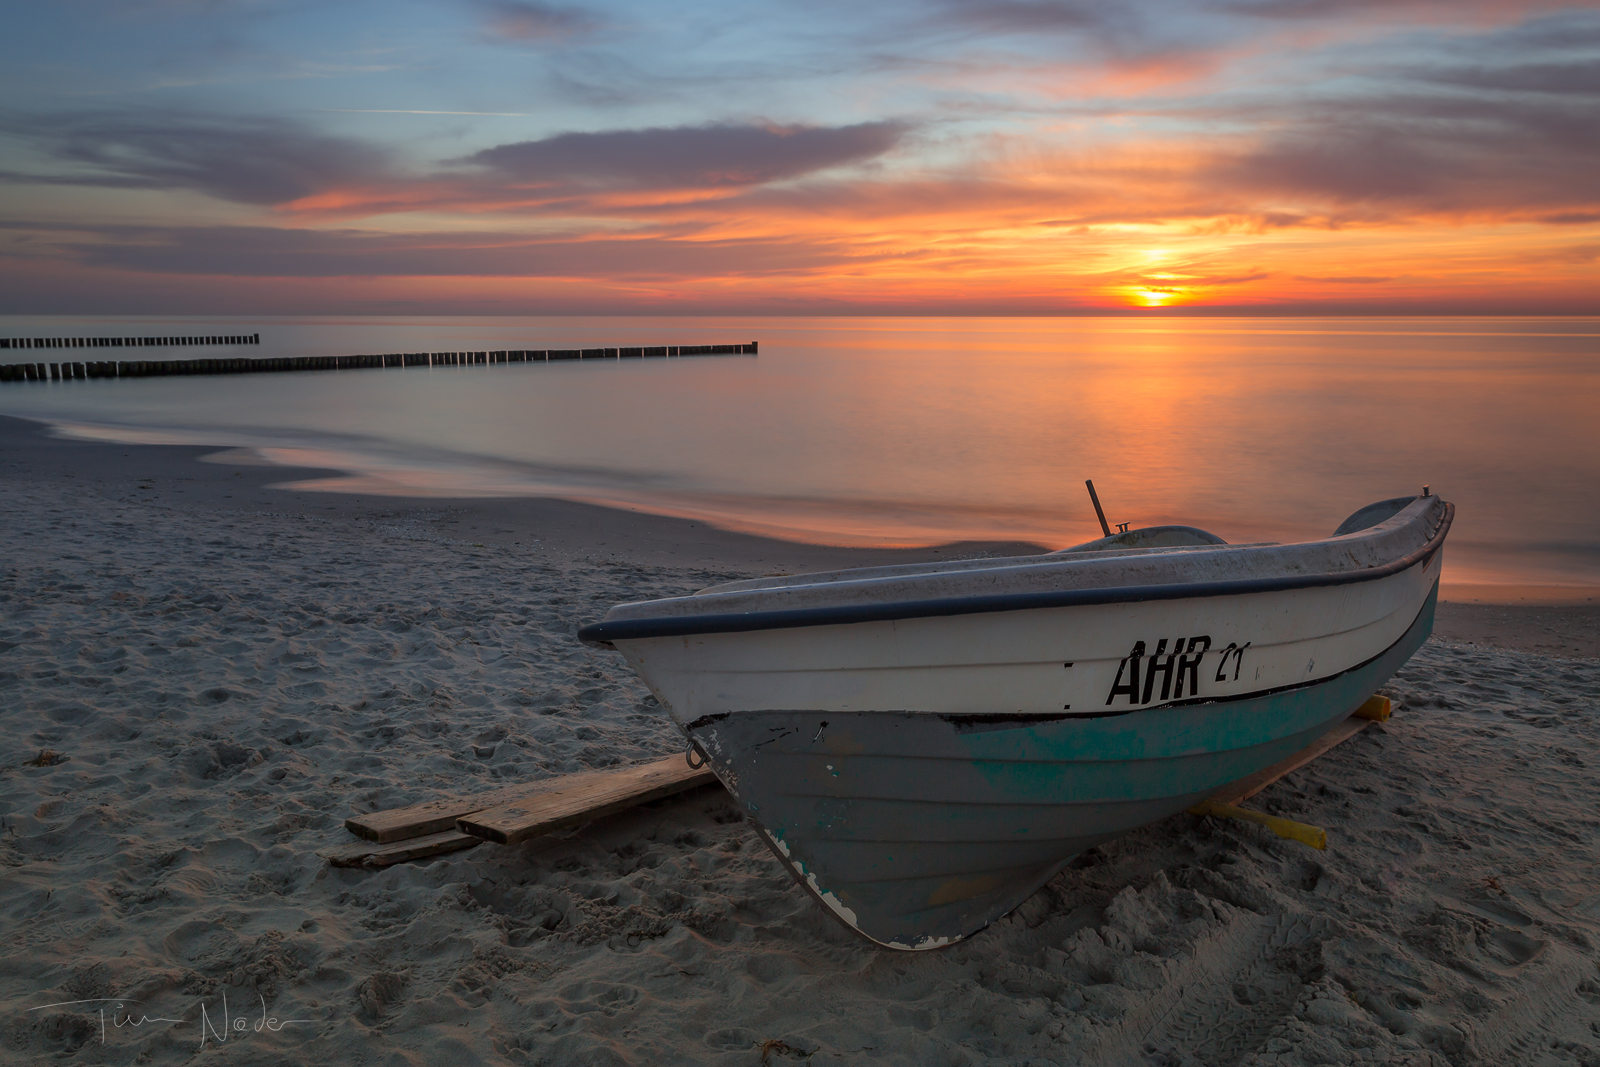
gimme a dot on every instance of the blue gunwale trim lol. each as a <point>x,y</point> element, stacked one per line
<point>605,633</point>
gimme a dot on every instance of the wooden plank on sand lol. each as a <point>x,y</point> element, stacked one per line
<point>430,817</point>
<point>439,816</point>
<point>1255,783</point>
<point>367,854</point>
<point>581,798</point>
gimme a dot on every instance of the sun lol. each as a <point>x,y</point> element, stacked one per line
<point>1154,296</point>
<point>1154,288</point>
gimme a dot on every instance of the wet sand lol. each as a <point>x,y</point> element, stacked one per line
<point>232,481</point>
<point>222,671</point>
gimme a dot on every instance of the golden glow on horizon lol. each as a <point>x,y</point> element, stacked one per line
<point>989,246</point>
<point>934,247</point>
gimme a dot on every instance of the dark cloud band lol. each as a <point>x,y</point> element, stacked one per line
<point>248,160</point>
<point>688,156</point>
<point>266,252</point>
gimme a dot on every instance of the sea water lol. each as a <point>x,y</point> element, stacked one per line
<point>917,430</point>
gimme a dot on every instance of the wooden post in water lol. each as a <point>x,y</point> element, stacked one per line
<point>69,371</point>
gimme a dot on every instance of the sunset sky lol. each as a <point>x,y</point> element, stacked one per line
<point>916,156</point>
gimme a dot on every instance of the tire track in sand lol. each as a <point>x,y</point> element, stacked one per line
<point>1224,1001</point>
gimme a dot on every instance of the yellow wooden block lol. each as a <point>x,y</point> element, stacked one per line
<point>1376,708</point>
<point>1315,836</point>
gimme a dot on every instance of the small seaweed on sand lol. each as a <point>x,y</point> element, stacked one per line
<point>47,758</point>
<point>783,1048</point>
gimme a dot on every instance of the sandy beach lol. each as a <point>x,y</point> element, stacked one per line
<point>202,676</point>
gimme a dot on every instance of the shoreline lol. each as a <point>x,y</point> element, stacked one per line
<point>1554,620</point>
<point>178,478</point>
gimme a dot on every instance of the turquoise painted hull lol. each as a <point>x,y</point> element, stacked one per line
<point>919,829</point>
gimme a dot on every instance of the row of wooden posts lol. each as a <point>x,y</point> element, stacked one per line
<point>129,342</point>
<point>41,372</point>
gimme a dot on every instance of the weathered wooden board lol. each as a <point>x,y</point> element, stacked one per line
<point>1255,783</point>
<point>578,799</point>
<point>438,816</point>
<point>433,816</point>
<point>367,854</point>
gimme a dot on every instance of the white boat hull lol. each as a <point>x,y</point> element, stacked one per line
<point>921,764</point>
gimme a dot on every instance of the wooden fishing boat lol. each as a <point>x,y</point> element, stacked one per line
<point>924,746</point>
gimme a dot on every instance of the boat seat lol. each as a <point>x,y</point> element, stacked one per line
<point>1373,514</point>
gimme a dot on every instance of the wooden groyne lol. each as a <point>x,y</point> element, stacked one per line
<point>129,342</point>
<point>155,368</point>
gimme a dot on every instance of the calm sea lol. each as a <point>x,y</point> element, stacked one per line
<point>915,430</point>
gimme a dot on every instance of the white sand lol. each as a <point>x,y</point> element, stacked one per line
<point>228,687</point>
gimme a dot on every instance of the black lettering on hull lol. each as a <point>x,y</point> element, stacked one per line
<point>1177,662</point>
<point>1130,665</point>
<point>1189,666</point>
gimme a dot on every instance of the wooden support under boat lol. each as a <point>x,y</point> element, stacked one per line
<point>1306,834</point>
<point>1225,804</point>
<point>1245,788</point>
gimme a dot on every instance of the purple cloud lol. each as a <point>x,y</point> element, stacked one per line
<point>264,252</point>
<point>687,156</point>
<point>246,160</point>
<point>1505,124</point>
<point>524,20</point>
